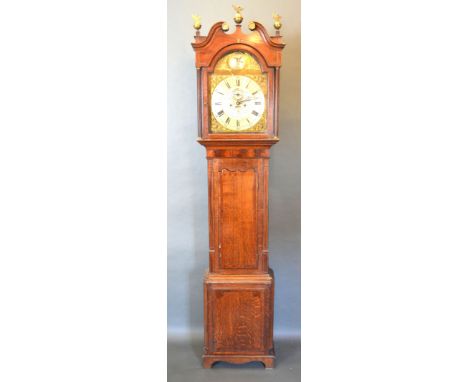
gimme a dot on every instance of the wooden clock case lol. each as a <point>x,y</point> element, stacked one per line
<point>239,285</point>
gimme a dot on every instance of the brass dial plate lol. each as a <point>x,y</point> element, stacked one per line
<point>238,64</point>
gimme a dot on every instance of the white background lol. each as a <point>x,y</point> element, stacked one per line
<point>82,191</point>
<point>385,191</point>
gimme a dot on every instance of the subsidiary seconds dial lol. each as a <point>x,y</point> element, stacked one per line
<point>237,103</point>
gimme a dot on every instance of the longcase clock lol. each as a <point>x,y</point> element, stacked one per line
<point>238,87</point>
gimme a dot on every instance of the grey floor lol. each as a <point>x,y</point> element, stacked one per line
<point>184,364</point>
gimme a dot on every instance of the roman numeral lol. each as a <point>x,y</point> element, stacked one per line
<point>254,112</point>
<point>227,84</point>
<point>248,83</point>
<point>238,82</point>
<point>258,103</point>
<point>248,121</point>
<point>219,92</point>
<point>219,103</point>
<point>237,123</point>
<point>255,92</point>
<point>228,120</point>
<point>220,113</point>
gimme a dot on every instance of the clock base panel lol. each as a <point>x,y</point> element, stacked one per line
<point>239,318</point>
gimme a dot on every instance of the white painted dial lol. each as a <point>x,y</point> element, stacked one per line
<point>237,103</point>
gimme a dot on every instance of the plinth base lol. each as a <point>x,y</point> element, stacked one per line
<point>267,360</point>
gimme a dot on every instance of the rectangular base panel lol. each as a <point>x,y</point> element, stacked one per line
<point>239,318</point>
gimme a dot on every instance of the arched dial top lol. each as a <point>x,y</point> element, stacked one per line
<point>238,91</point>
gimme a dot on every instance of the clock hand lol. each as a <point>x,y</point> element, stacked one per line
<point>246,100</point>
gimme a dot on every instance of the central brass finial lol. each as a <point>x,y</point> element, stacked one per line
<point>238,17</point>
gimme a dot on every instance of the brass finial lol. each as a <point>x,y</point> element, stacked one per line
<point>225,27</point>
<point>277,18</point>
<point>238,17</point>
<point>196,22</point>
<point>252,25</point>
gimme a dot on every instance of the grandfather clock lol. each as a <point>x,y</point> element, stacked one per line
<point>238,86</point>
